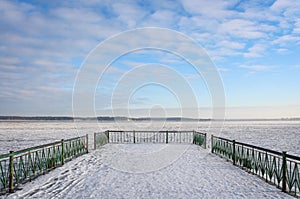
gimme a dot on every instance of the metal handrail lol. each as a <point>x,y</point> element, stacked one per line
<point>278,168</point>
<point>21,166</point>
<point>166,136</point>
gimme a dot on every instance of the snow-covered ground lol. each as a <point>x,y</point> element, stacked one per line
<point>276,135</point>
<point>139,171</point>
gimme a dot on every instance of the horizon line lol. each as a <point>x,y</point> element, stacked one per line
<point>44,117</point>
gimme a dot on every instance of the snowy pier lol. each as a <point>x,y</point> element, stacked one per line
<point>169,164</point>
<point>196,173</point>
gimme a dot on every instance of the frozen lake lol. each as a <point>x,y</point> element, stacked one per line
<point>276,135</point>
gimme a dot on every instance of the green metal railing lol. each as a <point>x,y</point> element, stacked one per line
<point>24,165</point>
<point>200,139</point>
<point>278,168</point>
<point>100,139</point>
<point>115,136</point>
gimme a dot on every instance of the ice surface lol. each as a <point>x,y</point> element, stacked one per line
<point>193,174</point>
<point>276,135</point>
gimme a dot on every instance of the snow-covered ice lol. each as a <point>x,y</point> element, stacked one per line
<point>116,171</point>
<point>275,135</point>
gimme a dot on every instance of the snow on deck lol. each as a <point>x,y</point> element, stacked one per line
<point>148,171</point>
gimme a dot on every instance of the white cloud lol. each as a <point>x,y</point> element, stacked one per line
<point>296,29</point>
<point>129,14</point>
<point>286,40</point>
<point>242,29</point>
<point>161,18</point>
<point>9,60</point>
<point>289,12</point>
<point>288,8</point>
<point>231,44</point>
<point>216,9</point>
<point>198,24</point>
<point>257,50</point>
<point>282,50</point>
<point>256,67</point>
<point>222,69</point>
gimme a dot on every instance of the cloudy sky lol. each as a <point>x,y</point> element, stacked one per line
<point>255,46</point>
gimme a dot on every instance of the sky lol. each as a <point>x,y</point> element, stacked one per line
<point>254,45</point>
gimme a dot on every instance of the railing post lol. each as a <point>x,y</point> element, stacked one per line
<point>212,143</point>
<point>11,172</point>
<point>107,135</point>
<point>167,137</point>
<point>233,152</point>
<point>133,136</point>
<point>95,140</point>
<point>253,156</point>
<point>284,171</point>
<point>87,142</point>
<point>62,152</point>
<point>205,140</point>
<point>194,137</point>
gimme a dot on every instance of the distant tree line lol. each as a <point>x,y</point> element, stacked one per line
<point>102,118</point>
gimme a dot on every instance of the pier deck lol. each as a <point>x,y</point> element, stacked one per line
<point>149,171</point>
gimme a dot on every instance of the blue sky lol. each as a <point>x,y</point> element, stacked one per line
<point>254,44</point>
